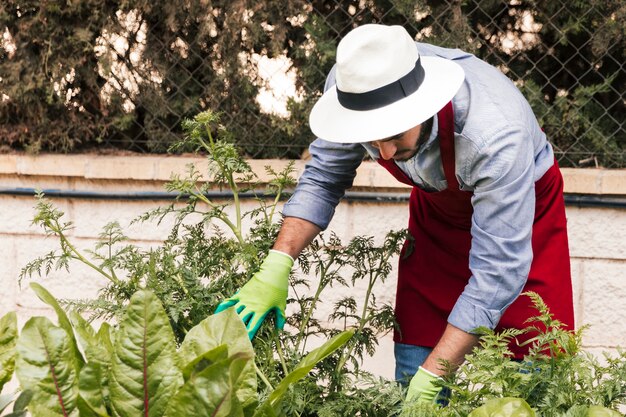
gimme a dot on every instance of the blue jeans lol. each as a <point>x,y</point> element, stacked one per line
<point>408,359</point>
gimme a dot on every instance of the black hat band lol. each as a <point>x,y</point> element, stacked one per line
<point>385,95</point>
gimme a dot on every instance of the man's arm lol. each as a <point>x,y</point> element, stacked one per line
<point>295,235</point>
<point>452,348</point>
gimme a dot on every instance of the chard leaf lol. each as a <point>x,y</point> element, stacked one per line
<point>598,411</point>
<point>93,377</point>
<point>266,410</point>
<point>212,356</point>
<point>85,334</point>
<point>105,337</point>
<point>46,366</point>
<point>91,392</point>
<point>8,339</point>
<point>144,374</point>
<point>503,407</point>
<point>305,366</point>
<point>577,411</point>
<point>22,401</point>
<point>5,401</point>
<point>93,345</point>
<point>224,328</point>
<point>19,407</point>
<point>17,414</point>
<point>64,322</point>
<point>213,391</point>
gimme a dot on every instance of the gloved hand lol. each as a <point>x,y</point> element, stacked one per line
<point>422,387</point>
<point>265,292</point>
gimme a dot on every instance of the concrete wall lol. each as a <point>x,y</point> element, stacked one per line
<point>597,235</point>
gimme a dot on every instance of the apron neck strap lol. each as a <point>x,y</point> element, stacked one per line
<point>445,118</point>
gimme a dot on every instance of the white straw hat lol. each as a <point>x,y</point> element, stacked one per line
<point>383,87</point>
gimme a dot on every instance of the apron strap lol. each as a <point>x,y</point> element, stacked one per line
<point>445,117</point>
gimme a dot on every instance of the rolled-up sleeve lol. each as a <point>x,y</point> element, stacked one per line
<point>502,173</point>
<point>326,177</point>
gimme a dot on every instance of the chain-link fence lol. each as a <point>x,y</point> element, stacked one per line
<point>110,76</point>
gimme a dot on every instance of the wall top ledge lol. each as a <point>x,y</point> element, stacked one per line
<point>161,167</point>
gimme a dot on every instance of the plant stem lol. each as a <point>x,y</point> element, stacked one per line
<point>231,183</point>
<point>77,255</point>
<point>373,277</point>
<point>362,322</point>
<point>276,200</point>
<point>263,377</point>
<point>236,230</point>
<point>110,245</point>
<point>322,284</point>
<point>235,190</point>
<point>180,281</point>
<point>279,350</point>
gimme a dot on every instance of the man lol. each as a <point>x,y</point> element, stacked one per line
<point>487,218</point>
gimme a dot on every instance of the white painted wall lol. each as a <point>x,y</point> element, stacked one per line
<point>597,236</point>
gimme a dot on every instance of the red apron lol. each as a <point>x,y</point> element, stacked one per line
<point>434,272</point>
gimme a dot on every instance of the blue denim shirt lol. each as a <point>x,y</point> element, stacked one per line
<point>500,152</point>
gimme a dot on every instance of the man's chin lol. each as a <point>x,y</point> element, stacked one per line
<point>404,156</point>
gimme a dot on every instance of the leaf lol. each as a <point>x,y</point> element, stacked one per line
<point>504,407</point>
<point>213,391</point>
<point>64,321</point>
<point>220,353</point>
<point>95,347</point>
<point>91,392</point>
<point>84,332</point>
<point>22,413</point>
<point>19,407</point>
<point>144,374</point>
<point>23,400</point>
<point>305,366</point>
<point>598,411</point>
<point>8,339</point>
<point>46,365</point>
<point>93,377</point>
<point>265,410</point>
<point>104,337</point>
<point>224,328</point>
<point>5,401</point>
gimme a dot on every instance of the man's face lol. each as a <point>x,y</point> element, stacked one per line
<point>400,147</point>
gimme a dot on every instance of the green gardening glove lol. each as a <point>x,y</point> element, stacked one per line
<point>423,387</point>
<point>265,292</point>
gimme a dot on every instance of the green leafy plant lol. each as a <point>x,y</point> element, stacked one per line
<point>136,369</point>
<point>203,261</point>
<point>556,378</point>
<point>8,336</point>
<point>512,407</point>
<point>206,257</point>
<point>19,405</point>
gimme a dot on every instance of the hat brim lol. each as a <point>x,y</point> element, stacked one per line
<point>330,121</point>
